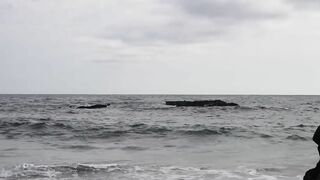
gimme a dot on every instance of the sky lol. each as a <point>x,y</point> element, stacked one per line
<point>160,46</point>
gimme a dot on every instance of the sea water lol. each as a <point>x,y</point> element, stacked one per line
<point>139,137</point>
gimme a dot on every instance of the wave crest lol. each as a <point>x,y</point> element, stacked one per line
<point>122,171</point>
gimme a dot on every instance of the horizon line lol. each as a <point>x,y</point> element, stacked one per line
<point>169,94</point>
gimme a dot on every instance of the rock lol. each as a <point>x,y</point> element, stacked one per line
<point>314,174</point>
<point>204,103</point>
<point>96,106</point>
<point>316,136</point>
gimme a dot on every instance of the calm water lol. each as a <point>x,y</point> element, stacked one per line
<point>138,137</point>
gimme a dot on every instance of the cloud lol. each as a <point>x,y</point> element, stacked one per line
<point>154,46</point>
<point>305,3</point>
<point>186,21</point>
<point>5,6</point>
<point>115,61</point>
<point>174,31</point>
<point>148,22</point>
<point>130,33</point>
<point>235,10</point>
<point>125,31</point>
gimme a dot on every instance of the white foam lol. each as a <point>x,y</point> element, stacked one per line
<point>147,172</point>
<point>99,166</point>
<point>28,170</point>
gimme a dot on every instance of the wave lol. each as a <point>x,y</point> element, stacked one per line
<point>265,136</point>
<point>134,148</point>
<point>201,132</point>
<point>33,125</point>
<point>301,128</point>
<point>31,171</point>
<point>298,138</point>
<point>271,108</point>
<point>40,129</point>
<point>311,109</point>
<point>305,125</point>
<point>68,130</point>
<point>78,147</point>
<point>126,172</point>
<point>269,169</point>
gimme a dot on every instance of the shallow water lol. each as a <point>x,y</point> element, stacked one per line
<point>139,137</point>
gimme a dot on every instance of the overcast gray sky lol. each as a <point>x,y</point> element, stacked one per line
<point>160,46</point>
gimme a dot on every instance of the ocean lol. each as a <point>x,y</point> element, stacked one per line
<point>139,137</point>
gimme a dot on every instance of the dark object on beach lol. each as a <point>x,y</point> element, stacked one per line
<point>316,136</point>
<point>96,106</point>
<point>204,103</point>
<point>314,174</point>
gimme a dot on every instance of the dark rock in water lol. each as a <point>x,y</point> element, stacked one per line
<point>314,174</point>
<point>96,106</point>
<point>204,103</point>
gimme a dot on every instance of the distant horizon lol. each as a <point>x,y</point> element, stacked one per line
<point>169,94</point>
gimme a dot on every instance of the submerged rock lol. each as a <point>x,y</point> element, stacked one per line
<point>314,174</point>
<point>204,103</point>
<point>96,106</point>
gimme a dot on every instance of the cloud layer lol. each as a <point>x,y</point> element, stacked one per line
<point>184,21</point>
<point>158,46</point>
<point>305,3</point>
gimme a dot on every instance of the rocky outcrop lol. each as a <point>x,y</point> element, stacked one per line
<point>314,174</point>
<point>204,103</point>
<point>96,106</point>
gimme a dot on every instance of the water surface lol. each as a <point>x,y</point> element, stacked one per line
<point>139,137</point>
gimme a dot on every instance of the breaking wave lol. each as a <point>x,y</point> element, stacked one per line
<point>126,172</point>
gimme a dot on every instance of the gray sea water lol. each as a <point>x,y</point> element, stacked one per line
<point>139,137</point>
